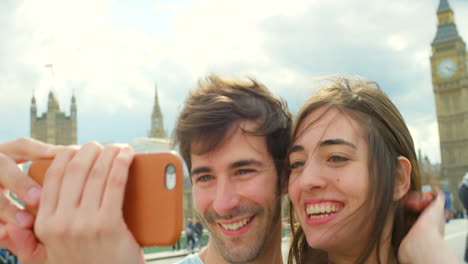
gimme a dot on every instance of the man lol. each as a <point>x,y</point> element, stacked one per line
<point>198,234</point>
<point>233,137</point>
<point>463,194</point>
<point>190,234</point>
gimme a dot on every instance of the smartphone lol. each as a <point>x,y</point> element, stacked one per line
<point>153,197</point>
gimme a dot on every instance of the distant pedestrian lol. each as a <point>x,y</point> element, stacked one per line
<point>190,233</point>
<point>463,193</point>
<point>176,246</point>
<point>198,234</point>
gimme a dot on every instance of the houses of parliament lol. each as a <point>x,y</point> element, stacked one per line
<point>55,127</point>
<point>449,71</point>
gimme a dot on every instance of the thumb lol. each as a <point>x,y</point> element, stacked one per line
<point>24,244</point>
<point>435,212</point>
<point>24,149</point>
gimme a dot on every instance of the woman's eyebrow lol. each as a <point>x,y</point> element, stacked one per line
<point>295,148</point>
<point>336,141</point>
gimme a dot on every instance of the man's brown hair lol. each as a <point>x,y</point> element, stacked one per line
<point>219,103</point>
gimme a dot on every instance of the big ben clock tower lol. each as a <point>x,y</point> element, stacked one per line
<point>157,126</point>
<point>450,82</point>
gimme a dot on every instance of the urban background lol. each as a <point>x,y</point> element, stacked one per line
<point>118,71</point>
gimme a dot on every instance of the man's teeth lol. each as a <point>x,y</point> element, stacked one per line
<point>322,210</point>
<point>237,225</point>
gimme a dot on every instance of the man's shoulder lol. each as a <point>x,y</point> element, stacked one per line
<point>191,259</point>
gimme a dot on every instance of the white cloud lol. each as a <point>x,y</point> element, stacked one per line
<point>113,66</point>
<point>425,135</point>
<point>397,42</point>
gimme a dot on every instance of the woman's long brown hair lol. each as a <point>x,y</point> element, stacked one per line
<point>388,138</point>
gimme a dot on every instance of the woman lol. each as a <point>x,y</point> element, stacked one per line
<point>352,162</point>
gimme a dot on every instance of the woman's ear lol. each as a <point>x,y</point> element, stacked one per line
<point>403,178</point>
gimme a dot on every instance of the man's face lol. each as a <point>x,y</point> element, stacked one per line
<point>236,194</point>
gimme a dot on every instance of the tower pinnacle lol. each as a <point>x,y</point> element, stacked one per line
<point>446,28</point>
<point>443,6</point>
<point>157,124</point>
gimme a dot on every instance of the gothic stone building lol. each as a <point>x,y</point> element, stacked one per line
<point>157,126</point>
<point>450,86</point>
<point>54,126</point>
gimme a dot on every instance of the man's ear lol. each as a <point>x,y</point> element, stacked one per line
<point>402,179</point>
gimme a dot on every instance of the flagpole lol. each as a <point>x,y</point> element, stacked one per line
<point>51,67</point>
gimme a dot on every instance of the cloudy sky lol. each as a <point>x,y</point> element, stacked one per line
<point>111,53</point>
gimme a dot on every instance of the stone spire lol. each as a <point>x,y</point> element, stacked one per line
<point>33,104</point>
<point>52,103</point>
<point>446,28</point>
<point>33,114</point>
<point>157,124</point>
<point>73,119</point>
<point>443,6</point>
<point>73,104</point>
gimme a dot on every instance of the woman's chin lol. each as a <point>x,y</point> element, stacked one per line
<point>323,242</point>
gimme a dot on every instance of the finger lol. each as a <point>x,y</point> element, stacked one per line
<point>94,187</point>
<point>439,206</point>
<point>53,181</point>
<point>116,182</point>
<point>435,212</point>
<point>416,201</point>
<point>24,149</point>
<point>12,178</point>
<point>436,208</point>
<point>75,176</point>
<point>3,234</point>
<point>24,244</point>
<point>11,213</point>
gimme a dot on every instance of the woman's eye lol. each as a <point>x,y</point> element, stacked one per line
<point>296,164</point>
<point>336,159</point>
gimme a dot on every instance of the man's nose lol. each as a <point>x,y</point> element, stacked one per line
<point>227,197</point>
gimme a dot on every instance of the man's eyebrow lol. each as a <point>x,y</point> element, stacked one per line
<point>200,170</point>
<point>295,148</point>
<point>242,163</point>
<point>336,141</point>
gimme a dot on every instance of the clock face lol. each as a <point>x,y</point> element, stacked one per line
<point>447,68</point>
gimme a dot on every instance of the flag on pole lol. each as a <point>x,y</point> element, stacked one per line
<point>51,67</point>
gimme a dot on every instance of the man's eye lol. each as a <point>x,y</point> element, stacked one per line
<point>204,178</point>
<point>296,165</point>
<point>336,159</point>
<point>244,171</point>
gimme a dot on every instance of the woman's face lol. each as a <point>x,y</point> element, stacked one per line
<point>329,180</point>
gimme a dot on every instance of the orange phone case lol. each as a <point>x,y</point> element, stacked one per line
<point>153,213</point>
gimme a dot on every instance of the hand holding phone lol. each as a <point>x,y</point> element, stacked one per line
<point>153,196</point>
